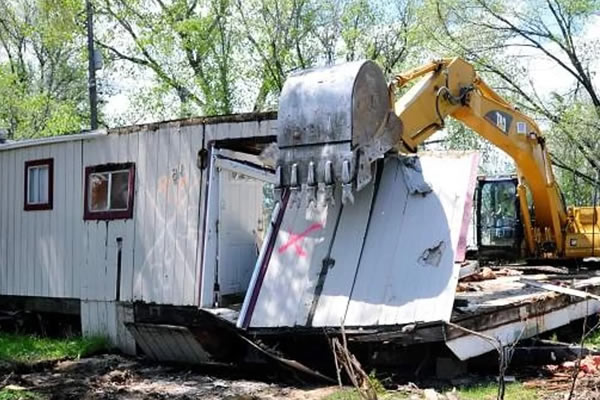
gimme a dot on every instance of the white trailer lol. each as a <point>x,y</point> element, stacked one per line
<point>108,218</point>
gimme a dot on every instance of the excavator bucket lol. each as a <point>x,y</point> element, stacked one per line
<point>333,123</point>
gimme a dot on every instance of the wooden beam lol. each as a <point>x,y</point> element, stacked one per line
<point>560,289</point>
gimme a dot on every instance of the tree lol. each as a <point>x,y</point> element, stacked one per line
<point>380,31</point>
<point>43,81</point>
<point>281,36</point>
<point>187,45</point>
<point>499,36</point>
<point>219,56</point>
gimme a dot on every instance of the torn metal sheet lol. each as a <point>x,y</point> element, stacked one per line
<point>413,176</point>
<point>386,259</point>
<point>407,271</point>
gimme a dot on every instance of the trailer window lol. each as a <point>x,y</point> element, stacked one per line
<point>109,191</point>
<point>39,176</point>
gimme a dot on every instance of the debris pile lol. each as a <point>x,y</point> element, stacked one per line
<point>589,365</point>
<point>559,377</point>
<point>467,284</point>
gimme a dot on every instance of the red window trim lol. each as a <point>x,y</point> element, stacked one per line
<point>109,215</point>
<point>40,206</point>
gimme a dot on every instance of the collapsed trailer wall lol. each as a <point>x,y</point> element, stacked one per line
<point>391,257</point>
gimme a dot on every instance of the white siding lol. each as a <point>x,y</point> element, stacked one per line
<point>56,253</point>
<point>108,319</point>
<point>167,208</point>
<point>159,243</point>
<point>38,254</point>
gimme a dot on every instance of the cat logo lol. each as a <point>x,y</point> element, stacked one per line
<point>501,121</point>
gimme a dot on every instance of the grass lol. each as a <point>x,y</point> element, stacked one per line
<point>11,394</point>
<point>21,348</point>
<point>514,391</point>
<point>593,340</point>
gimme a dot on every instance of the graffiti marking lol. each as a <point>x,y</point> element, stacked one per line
<point>295,240</point>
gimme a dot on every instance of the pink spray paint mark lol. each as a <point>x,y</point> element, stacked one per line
<point>296,239</point>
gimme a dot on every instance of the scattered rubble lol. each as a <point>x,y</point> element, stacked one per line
<point>113,377</point>
<point>487,273</point>
<point>558,379</point>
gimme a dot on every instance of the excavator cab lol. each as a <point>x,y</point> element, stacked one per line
<point>499,227</point>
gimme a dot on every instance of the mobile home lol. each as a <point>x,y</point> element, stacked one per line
<point>93,222</point>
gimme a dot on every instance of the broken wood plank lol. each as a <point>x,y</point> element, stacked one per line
<point>471,268</point>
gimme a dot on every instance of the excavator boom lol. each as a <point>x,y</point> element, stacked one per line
<point>335,122</point>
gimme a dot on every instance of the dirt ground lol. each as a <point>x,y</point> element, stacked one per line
<point>114,377</point>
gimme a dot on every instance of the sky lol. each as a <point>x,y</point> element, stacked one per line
<point>547,76</point>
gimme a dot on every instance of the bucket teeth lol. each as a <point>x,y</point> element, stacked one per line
<point>328,173</point>
<point>278,189</point>
<point>346,172</point>
<point>330,120</point>
<point>294,176</point>
<point>329,188</point>
<point>311,185</point>
<point>347,196</point>
<point>310,179</point>
<point>295,187</point>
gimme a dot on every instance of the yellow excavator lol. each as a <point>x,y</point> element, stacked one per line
<point>335,122</point>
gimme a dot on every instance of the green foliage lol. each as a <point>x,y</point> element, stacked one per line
<point>578,127</point>
<point>210,57</point>
<point>376,383</point>
<point>187,46</point>
<point>24,348</point>
<point>42,73</point>
<point>344,394</point>
<point>222,56</point>
<point>14,394</point>
<point>280,36</point>
<point>593,339</point>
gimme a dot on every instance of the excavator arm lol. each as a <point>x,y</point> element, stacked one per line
<point>335,122</point>
<point>451,87</point>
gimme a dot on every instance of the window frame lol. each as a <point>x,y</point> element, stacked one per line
<point>48,162</point>
<point>89,215</point>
